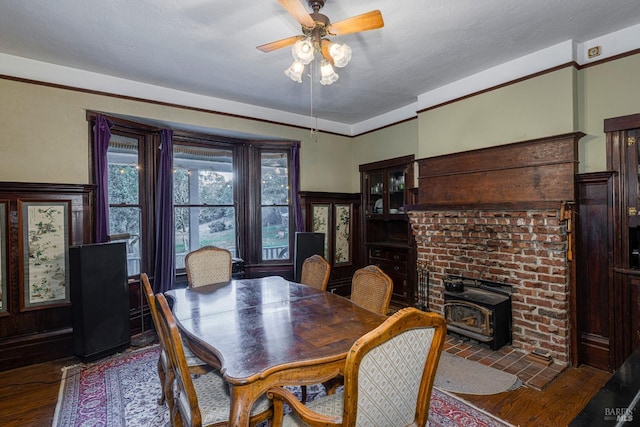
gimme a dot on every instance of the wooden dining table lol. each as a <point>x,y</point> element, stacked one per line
<point>268,332</point>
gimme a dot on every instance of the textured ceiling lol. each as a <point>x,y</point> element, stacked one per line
<point>209,47</point>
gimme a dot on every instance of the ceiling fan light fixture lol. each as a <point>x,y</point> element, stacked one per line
<point>294,72</point>
<point>341,54</point>
<point>303,51</point>
<point>316,28</point>
<point>327,74</point>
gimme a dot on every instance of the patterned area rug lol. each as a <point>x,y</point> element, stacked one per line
<point>122,391</point>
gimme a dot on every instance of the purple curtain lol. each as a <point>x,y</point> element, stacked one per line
<point>165,267</point>
<point>295,154</point>
<point>101,137</point>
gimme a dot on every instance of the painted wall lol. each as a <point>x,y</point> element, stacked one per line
<point>562,101</point>
<point>44,133</point>
<point>533,108</point>
<point>394,141</point>
<point>608,90</point>
<point>44,136</point>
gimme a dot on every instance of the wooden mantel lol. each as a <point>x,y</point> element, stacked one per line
<point>536,174</point>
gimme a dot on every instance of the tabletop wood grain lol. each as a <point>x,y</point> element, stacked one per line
<point>269,331</point>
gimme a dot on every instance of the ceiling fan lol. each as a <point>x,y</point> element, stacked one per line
<point>316,27</point>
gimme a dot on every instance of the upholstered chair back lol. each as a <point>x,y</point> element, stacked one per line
<point>208,265</point>
<point>388,378</point>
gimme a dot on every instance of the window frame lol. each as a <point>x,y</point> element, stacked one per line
<point>247,189</point>
<point>256,157</point>
<point>197,141</point>
<point>147,171</point>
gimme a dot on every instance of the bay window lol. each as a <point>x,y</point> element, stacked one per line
<point>227,192</point>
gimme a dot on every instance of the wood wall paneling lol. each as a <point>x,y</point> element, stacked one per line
<point>341,272</point>
<point>594,290</point>
<point>533,174</point>
<point>43,333</point>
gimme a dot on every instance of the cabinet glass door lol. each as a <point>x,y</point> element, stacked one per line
<point>376,193</point>
<point>396,191</point>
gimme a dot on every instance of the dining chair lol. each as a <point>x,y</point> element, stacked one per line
<point>371,288</point>
<point>196,365</point>
<point>200,400</point>
<point>388,378</point>
<point>315,272</point>
<point>208,265</point>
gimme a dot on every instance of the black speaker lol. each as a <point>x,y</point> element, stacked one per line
<point>99,299</point>
<point>307,244</point>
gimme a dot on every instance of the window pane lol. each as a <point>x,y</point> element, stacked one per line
<point>122,157</point>
<point>197,227</point>
<point>202,176</point>
<point>127,220</point>
<point>275,179</point>
<point>275,233</point>
<point>124,185</point>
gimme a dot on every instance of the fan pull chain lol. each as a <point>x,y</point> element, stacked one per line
<point>313,132</point>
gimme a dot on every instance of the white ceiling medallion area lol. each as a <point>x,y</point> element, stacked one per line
<point>201,53</point>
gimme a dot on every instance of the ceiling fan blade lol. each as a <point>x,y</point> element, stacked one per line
<point>367,21</point>
<point>278,44</point>
<point>298,11</point>
<point>324,48</point>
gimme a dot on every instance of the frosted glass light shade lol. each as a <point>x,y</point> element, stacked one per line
<point>303,51</point>
<point>294,72</point>
<point>327,74</point>
<point>341,54</point>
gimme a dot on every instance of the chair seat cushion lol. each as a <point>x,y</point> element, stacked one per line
<point>330,405</point>
<point>214,400</point>
<point>192,359</point>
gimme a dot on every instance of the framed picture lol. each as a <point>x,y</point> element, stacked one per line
<point>3,257</point>
<point>321,224</point>
<point>342,250</point>
<point>44,230</point>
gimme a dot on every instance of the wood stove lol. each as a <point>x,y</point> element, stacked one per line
<point>478,309</point>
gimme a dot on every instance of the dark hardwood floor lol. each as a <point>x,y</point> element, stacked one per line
<point>554,406</point>
<point>28,397</point>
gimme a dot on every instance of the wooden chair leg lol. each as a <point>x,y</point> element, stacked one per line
<point>161,375</point>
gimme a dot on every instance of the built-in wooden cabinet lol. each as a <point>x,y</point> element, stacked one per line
<point>337,216</point>
<point>623,153</point>
<point>387,236</point>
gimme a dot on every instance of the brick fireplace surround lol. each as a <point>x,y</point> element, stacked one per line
<point>526,249</point>
<point>504,214</point>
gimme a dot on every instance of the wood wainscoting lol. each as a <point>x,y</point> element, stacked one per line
<point>594,289</point>
<point>37,332</point>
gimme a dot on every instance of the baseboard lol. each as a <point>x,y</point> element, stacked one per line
<point>20,351</point>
